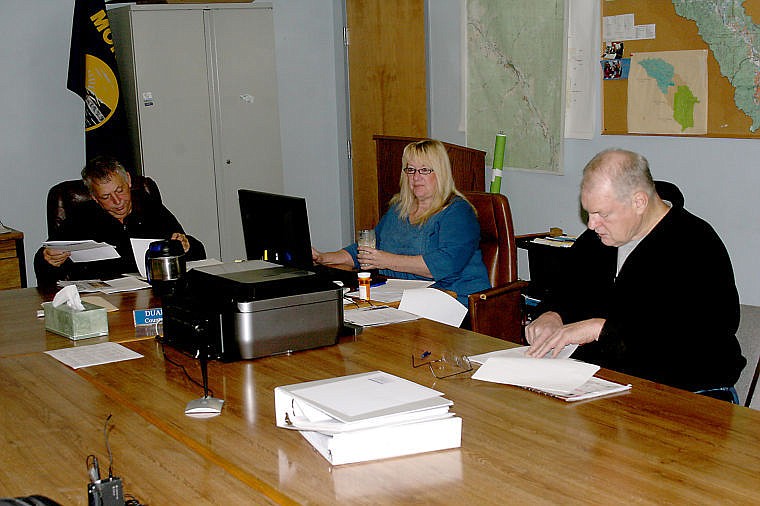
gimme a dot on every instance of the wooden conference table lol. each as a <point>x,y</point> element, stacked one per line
<point>654,444</point>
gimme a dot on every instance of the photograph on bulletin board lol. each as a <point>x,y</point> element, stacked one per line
<point>687,64</point>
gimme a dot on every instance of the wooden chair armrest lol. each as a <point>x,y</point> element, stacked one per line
<point>497,291</point>
<point>498,311</point>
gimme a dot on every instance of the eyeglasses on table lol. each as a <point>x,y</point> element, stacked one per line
<point>444,365</point>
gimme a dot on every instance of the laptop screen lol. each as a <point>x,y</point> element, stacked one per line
<point>275,228</point>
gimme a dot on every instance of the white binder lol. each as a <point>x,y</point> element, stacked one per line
<point>368,416</point>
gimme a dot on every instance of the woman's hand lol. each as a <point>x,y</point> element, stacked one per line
<point>372,258</point>
<point>340,258</point>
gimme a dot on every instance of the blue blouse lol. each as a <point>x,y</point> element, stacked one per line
<point>449,242</point>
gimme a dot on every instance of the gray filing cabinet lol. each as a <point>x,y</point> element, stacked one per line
<point>200,90</point>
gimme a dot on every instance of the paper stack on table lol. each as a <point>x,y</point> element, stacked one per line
<point>393,289</point>
<point>561,377</point>
<point>368,416</point>
<point>371,316</point>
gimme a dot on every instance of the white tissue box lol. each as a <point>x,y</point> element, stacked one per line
<point>69,322</point>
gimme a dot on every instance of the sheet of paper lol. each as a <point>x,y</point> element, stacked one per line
<point>85,285</point>
<point>202,263</point>
<point>519,351</point>
<point>100,301</point>
<point>125,284</point>
<point>72,245</point>
<point>377,315</point>
<point>434,305</point>
<point>221,268</point>
<point>85,251</point>
<point>94,354</point>
<point>393,289</point>
<point>559,375</point>
<point>366,393</point>
<point>593,388</point>
<point>139,247</point>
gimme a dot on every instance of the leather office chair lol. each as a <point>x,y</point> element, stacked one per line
<point>497,311</point>
<point>670,192</point>
<point>65,196</point>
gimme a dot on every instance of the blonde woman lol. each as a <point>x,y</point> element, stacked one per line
<point>430,232</point>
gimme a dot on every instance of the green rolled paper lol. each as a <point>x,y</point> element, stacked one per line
<point>498,162</point>
<point>498,150</point>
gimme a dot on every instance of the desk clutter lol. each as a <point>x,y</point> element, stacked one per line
<point>507,433</point>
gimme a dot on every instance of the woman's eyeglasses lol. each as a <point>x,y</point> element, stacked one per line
<point>411,170</point>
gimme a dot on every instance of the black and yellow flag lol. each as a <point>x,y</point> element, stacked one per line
<point>93,75</point>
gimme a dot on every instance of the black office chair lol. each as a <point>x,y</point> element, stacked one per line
<point>670,192</point>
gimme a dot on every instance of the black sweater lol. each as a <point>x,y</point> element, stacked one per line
<point>671,314</point>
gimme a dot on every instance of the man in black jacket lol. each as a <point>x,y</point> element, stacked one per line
<point>116,213</point>
<point>651,289</point>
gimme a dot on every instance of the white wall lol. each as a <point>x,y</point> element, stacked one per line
<point>719,177</point>
<point>41,128</point>
<point>41,139</point>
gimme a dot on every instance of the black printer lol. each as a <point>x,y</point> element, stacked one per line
<point>251,309</point>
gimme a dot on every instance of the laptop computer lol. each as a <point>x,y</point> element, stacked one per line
<point>276,229</point>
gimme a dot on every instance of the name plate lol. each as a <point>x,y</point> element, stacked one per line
<point>148,316</point>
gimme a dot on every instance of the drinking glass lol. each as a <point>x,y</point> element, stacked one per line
<point>366,238</point>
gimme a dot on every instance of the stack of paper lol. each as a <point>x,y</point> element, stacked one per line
<point>368,416</point>
<point>561,377</point>
<point>393,289</point>
<point>562,241</point>
<point>123,284</point>
<point>377,315</point>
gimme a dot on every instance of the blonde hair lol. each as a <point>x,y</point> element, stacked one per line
<point>433,154</point>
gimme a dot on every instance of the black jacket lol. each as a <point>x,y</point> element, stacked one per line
<point>671,314</point>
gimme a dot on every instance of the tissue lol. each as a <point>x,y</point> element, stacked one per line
<point>68,316</point>
<point>70,296</point>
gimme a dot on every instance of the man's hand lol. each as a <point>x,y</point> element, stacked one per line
<point>550,335</point>
<point>543,327</point>
<point>183,239</point>
<point>55,257</point>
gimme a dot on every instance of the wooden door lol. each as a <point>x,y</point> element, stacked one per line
<point>387,87</point>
